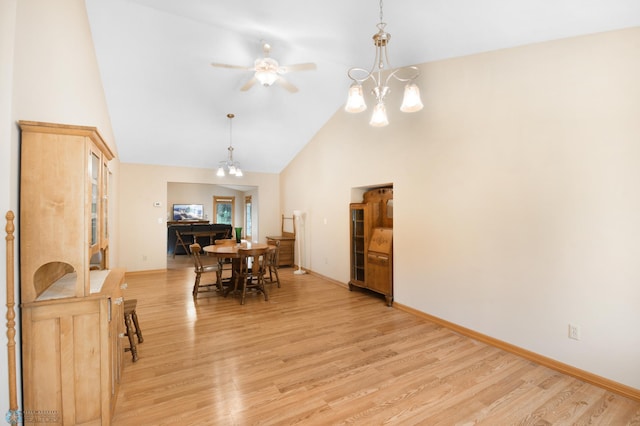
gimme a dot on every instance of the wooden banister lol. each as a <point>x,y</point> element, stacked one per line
<point>13,416</point>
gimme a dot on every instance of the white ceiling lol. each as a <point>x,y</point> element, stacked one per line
<point>168,106</point>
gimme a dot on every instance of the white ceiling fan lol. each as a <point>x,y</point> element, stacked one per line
<point>267,71</point>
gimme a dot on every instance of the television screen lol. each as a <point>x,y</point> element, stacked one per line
<point>188,211</point>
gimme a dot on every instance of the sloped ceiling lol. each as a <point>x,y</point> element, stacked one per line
<point>168,106</point>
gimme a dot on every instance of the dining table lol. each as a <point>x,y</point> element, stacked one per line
<point>232,251</point>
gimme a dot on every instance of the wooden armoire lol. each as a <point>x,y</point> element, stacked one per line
<point>72,305</point>
<point>371,242</point>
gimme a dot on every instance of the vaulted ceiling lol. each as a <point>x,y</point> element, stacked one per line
<point>169,106</point>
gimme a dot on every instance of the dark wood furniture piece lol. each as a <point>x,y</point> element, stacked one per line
<point>132,327</point>
<point>179,237</point>
<point>187,222</point>
<point>371,242</point>
<point>287,241</point>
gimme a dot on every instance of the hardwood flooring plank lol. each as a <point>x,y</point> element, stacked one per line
<point>317,354</point>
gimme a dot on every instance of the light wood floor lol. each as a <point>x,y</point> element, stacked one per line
<point>318,354</point>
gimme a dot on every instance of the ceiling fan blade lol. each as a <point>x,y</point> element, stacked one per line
<point>237,67</point>
<point>249,84</point>
<point>284,83</point>
<point>297,67</point>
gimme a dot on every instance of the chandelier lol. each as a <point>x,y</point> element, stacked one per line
<point>411,101</point>
<point>232,167</point>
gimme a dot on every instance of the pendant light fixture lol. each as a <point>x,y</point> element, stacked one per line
<point>411,101</point>
<point>231,167</point>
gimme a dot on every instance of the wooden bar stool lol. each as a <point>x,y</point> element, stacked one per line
<point>132,326</point>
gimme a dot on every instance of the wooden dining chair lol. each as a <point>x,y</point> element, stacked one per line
<point>225,264</point>
<point>179,242</point>
<point>201,269</point>
<point>225,242</point>
<point>251,272</point>
<point>272,260</point>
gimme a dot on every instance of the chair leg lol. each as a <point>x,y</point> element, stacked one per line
<point>134,317</point>
<point>196,284</point>
<point>275,272</point>
<point>244,291</point>
<point>261,285</point>
<point>219,278</point>
<point>132,343</point>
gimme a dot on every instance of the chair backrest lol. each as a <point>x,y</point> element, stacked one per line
<point>258,263</point>
<point>195,251</point>
<point>273,254</point>
<point>226,242</point>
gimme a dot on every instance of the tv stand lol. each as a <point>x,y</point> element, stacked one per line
<point>186,222</point>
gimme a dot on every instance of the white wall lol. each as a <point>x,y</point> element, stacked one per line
<point>143,228</point>
<point>516,202</point>
<point>8,179</point>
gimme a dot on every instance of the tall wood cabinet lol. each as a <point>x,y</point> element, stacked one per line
<point>72,303</point>
<point>371,242</point>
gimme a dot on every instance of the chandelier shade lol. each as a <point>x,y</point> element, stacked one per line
<point>355,101</point>
<point>229,165</point>
<point>381,74</point>
<point>379,116</point>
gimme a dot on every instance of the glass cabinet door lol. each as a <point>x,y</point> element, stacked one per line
<point>357,243</point>
<point>105,203</point>
<point>94,173</point>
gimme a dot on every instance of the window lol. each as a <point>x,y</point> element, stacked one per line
<point>223,209</point>
<point>248,209</point>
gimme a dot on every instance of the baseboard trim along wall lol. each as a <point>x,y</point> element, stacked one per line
<point>594,379</point>
<point>585,376</point>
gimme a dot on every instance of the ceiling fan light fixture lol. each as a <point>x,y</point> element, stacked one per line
<point>266,71</point>
<point>266,78</point>
<point>381,74</point>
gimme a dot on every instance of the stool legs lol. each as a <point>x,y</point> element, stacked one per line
<point>134,317</point>
<point>132,344</point>
<point>132,326</point>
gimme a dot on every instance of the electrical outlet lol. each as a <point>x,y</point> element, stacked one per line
<point>574,332</point>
